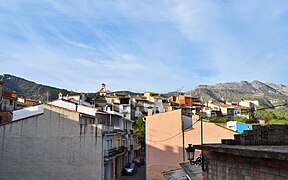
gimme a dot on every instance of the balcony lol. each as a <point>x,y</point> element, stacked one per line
<point>120,150</point>
<point>125,111</point>
<point>109,153</point>
<point>137,146</point>
<point>108,129</point>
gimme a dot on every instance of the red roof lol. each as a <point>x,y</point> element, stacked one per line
<point>10,95</point>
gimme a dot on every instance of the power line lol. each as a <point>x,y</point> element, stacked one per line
<point>173,135</point>
<point>199,119</point>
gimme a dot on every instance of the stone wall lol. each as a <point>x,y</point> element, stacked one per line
<point>50,146</point>
<point>266,135</point>
<point>261,153</point>
<point>261,135</point>
<point>225,166</point>
<point>5,117</point>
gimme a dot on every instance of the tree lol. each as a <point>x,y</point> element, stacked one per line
<point>139,126</point>
<point>139,129</point>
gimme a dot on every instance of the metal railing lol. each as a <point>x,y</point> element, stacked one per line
<point>108,129</point>
<point>120,149</point>
<point>110,153</point>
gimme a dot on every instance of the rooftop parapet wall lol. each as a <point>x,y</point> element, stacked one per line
<point>261,135</point>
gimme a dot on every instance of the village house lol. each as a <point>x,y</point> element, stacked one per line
<point>248,103</point>
<point>51,145</point>
<point>156,99</point>
<point>121,104</point>
<point>26,102</point>
<point>168,134</point>
<point>238,126</point>
<point>117,135</point>
<point>169,105</point>
<point>187,100</point>
<point>141,105</point>
<point>228,109</point>
<point>8,103</point>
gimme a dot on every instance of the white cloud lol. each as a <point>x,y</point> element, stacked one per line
<point>142,45</point>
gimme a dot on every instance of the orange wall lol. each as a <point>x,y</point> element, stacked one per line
<point>164,141</point>
<point>162,155</point>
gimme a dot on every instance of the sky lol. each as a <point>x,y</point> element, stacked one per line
<point>144,45</point>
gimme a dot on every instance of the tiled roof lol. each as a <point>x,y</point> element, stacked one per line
<point>10,95</point>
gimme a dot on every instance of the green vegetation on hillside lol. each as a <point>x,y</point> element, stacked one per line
<point>216,119</point>
<point>29,89</point>
<point>271,116</point>
<point>274,116</point>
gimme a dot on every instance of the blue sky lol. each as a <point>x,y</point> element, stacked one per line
<point>144,45</point>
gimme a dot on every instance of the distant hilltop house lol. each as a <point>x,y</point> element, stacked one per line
<point>25,102</point>
<point>8,103</point>
<point>238,126</point>
<point>241,108</point>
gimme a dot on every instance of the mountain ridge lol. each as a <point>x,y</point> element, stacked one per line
<point>268,94</point>
<point>29,89</point>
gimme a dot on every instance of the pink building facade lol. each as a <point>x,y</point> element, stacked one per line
<point>164,140</point>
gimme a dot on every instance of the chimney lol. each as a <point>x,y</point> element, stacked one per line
<point>83,97</point>
<point>60,95</point>
<point>150,111</point>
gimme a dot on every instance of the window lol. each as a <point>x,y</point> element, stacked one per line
<point>111,145</point>
<point>107,144</point>
<point>11,102</point>
<point>123,142</point>
<point>117,143</point>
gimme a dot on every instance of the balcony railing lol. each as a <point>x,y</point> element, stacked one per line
<point>137,146</point>
<point>108,129</point>
<point>110,153</point>
<point>120,149</point>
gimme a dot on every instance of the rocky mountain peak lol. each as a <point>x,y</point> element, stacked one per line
<point>266,93</point>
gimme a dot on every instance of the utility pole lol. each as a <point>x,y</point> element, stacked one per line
<point>47,96</point>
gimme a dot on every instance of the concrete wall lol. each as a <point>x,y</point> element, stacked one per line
<point>163,153</point>
<point>28,112</point>
<point>5,117</point>
<point>72,106</point>
<point>50,146</point>
<point>164,149</point>
<point>64,104</point>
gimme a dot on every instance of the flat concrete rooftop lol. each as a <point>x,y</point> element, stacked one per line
<point>260,151</point>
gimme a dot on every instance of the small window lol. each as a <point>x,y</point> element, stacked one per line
<point>107,144</point>
<point>11,102</point>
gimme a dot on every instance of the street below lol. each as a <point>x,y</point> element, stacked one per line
<point>140,175</point>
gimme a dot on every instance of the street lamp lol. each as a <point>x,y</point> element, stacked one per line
<point>199,160</point>
<point>191,150</point>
